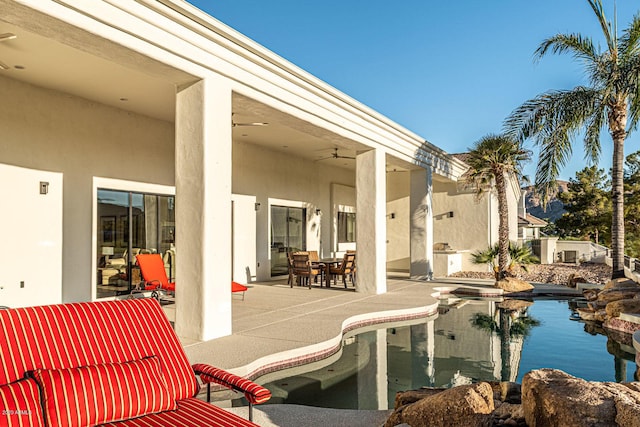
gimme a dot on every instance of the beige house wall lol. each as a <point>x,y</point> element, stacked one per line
<point>52,131</point>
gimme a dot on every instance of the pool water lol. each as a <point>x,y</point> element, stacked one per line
<point>465,343</point>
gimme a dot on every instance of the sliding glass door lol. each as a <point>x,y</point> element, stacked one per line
<point>130,223</point>
<point>288,234</point>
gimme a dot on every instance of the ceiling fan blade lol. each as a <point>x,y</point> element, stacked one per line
<point>324,158</point>
<point>250,124</point>
<point>7,36</point>
<point>345,157</point>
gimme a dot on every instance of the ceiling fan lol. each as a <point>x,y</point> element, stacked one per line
<point>3,38</point>
<point>234,124</point>
<point>335,155</point>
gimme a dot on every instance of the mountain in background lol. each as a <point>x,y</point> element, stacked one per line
<point>555,208</point>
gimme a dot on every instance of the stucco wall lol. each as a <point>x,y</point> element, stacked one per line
<point>468,229</point>
<point>398,222</point>
<point>31,252</point>
<point>49,130</point>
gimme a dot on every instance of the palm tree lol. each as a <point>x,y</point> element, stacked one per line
<point>612,99</point>
<point>493,159</point>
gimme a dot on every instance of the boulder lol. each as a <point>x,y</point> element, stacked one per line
<point>510,392</point>
<point>552,398</point>
<point>627,410</point>
<point>467,405</point>
<point>411,396</point>
<point>505,411</point>
<point>615,294</point>
<point>632,306</point>
<point>590,294</point>
<point>574,280</point>
<point>512,284</point>
<point>621,282</point>
<point>586,314</point>
<point>600,315</point>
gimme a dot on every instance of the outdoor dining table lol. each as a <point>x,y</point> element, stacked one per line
<point>324,264</point>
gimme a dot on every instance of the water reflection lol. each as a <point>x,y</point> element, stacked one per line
<point>510,323</point>
<point>470,341</point>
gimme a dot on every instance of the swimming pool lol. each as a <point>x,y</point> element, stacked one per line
<point>469,341</point>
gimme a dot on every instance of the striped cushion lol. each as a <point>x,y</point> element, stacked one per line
<point>83,334</point>
<point>191,413</point>
<point>97,394</point>
<point>20,405</point>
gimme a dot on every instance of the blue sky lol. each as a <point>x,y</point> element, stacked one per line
<point>450,71</point>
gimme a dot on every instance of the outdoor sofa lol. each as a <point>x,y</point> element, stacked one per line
<point>117,363</point>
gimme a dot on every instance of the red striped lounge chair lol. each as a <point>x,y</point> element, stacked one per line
<point>89,364</point>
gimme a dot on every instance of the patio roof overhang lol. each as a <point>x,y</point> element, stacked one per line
<point>135,56</point>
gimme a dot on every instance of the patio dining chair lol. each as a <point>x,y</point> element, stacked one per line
<point>303,270</point>
<point>344,269</point>
<point>290,268</point>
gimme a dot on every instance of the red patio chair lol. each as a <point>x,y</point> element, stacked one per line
<point>237,287</point>
<point>154,275</point>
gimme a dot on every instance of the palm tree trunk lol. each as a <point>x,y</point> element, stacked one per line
<point>617,126</point>
<point>503,227</point>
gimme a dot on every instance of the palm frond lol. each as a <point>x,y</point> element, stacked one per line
<point>609,35</point>
<point>595,124</point>
<point>630,40</point>
<point>631,71</point>
<point>552,120</point>
<point>581,47</point>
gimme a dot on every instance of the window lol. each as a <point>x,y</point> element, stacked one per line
<point>130,223</point>
<point>346,227</point>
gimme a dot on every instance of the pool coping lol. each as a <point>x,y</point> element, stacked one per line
<point>319,351</point>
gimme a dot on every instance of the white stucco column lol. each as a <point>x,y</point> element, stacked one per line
<point>371,232</point>
<point>421,229</point>
<point>203,210</point>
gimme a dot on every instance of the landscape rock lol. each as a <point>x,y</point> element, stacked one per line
<point>512,284</point>
<point>590,294</point>
<point>510,392</point>
<point>632,306</point>
<point>411,396</point>
<point>508,410</point>
<point>627,411</point>
<point>616,294</point>
<point>586,314</point>
<point>553,398</point>
<point>600,315</point>
<point>467,405</point>
<point>621,282</point>
<point>557,273</point>
<point>574,279</point>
